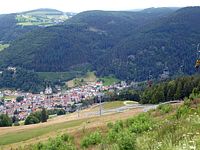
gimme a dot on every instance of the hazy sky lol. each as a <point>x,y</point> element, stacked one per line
<point>8,6</point>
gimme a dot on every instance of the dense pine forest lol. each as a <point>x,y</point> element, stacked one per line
<point>125,44</point>
<point>162,91</point>
<point>21,79</point>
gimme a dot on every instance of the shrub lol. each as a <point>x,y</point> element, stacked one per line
<point>31,119</point>
<point>5,120</point>
<point>140,123</point>
<point>118,126</point>
<point>187,102</point>
<point>126,141</point>
<point>36,117</point>
<point>112,136</point>
<point>67,138</point>
<point>44,115</point>
<point>165,108</point>
<point>182,111</point>
<point>19,98</point>
<point>16,123</point>
<point>110,125</point>
<point>61,112</point>
<point>63,142</point>
<point>92,139</point>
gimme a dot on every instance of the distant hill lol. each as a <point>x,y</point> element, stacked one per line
<point>15,25</point>
<point>160,9</point>
<point>128,45</point>
<point>170,41</point>
<point>9,30</point>
<point>43,11</point>
<point>42,17</point>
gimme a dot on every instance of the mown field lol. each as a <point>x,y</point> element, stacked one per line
<point>109,80</point>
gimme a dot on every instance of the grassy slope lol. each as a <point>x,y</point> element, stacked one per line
<point>15,136</point>
<point>10,138</point>
<point>172,133</point>
<point>174,128</point>
<point>109,80</point>
<point>3,46</point>
<point>169,128</point>
<point>44,18</point>
<point>89,77</point>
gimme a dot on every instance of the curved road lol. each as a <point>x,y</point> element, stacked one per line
<point>145,107</point>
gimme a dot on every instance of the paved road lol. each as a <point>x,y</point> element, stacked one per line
<point>145,107</point>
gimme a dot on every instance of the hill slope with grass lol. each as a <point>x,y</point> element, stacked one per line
<point>13,26</point>
<point>169,126</point>
<point>42,17</point>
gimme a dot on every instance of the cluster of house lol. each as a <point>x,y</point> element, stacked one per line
<point>49,100</point>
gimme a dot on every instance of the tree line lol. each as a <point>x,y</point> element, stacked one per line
<point>171,90</point>
<point>175,89</point>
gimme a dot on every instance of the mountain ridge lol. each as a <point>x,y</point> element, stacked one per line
<point>126,44</point>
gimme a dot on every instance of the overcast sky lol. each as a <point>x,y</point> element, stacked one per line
<point>8,6</point>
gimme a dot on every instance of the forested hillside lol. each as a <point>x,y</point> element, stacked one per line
<point>9,30</point>
<point>170,41</point>
<point>20,79</point>
<point>126,44</point>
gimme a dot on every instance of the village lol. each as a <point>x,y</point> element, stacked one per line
<point>29,102</point>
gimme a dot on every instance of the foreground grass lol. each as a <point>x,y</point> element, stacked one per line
<point>14,137</point>
<point>166,128</point>
<point>169,127</point>
<point>23,135</point>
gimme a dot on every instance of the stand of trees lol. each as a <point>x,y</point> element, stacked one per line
<point>37,117</point>
<point>5,121</point>
<point>175,89</point>
<point>56,112</point>
<point>172,90</point>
